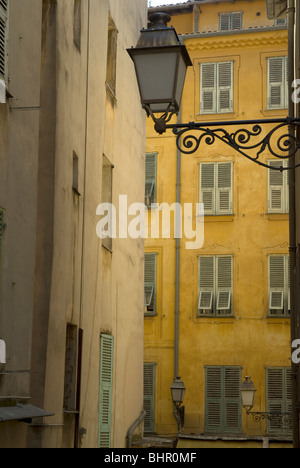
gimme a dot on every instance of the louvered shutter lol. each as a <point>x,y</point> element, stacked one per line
<point>223,402</point>
<point>224,188</point>
<point>224,285</point>
<point>208,88</point>
<point>276,284</point>
<point>276,188</point>
<point>150,283</point>
<point>207,187</point>
<point>279,397</point>
<point>232,384</point>
<point>106,378</point>
<point>149,397</point>
<point>225,22</point>
<point>276,82</point>
<point>3,39</point>
<point>225,87</point>
<point>2,226</point>
<point>151,179</point>
<point>213,399</point>
<point>236,20</point>
<point>206,286</point>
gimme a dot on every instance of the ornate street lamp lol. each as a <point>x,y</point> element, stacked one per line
<point>178,392</point>
<point>161,63</point>
<point>248,392</point>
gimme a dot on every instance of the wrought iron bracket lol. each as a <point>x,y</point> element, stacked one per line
<point>283,420</point>
<point>251,138</point>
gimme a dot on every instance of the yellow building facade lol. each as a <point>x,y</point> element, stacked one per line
<point>234,304</point>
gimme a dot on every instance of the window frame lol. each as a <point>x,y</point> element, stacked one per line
<point>281,187</point>
<point>151,284</point>
<point>283,84</point>
<point>216,287</point>
<point>216,89</point>
<point>285,290</point>
<point>279,398</point>
<point>230,16</point>
<point>216,190</point>
<point>4,18</point>
<point>151,178</point>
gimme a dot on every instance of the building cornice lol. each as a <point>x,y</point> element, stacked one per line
<point>246,38</point>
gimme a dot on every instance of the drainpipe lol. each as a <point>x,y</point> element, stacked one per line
<point>133,428</point>
<point>292,223</point>
<point>177,277</point>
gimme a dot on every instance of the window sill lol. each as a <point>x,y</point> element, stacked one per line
<point>216,117</point>
<point>225,218</point>
<point>277,216</point>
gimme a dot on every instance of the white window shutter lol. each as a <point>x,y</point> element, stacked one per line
<point>207,187</point>
<point>224,188</point>
<point>225,87</point>
<point>276,82</point>
<point>151,179</point>
<point>276,284</point>
<point>224,285</point>
<point>276,188</point>
<point>208,88</point>
<point>206,285</point>
<point>225,22</point>
<point>236,20</point>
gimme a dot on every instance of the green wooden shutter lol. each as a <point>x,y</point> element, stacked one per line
<point>149,396</point>
<point>106,378</point>
<point>3,39</point>
<point>224,285</point>
<point>225,87</point>
<point>208,88</point>
<point>277,273</point>
<point>151,179</point>
<point>279,397</point>
<point>224,188</point>
<point>207,187</point>
<point>150,283</point>
<point>206,299</point>
<point>223,403</point>
<point>276,82</point>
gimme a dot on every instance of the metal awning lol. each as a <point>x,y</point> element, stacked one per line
<point>24,413</point>
<point>276,8</point>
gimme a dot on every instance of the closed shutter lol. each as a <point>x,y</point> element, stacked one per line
<point>222,399</point>
<point>224,285</point>
<point>276,285</point>
<point>225,22</point>
<point>207,187</point>
<point>277,83</point>
<point>279,398</point>
<point>224,189</point>
<point>208,88</point>
<point>206,286</point>
<point>236,20</point>
<point>106,378</point>
<point>150,283</point>
<point>151,179</point>
<point>225,87</point>
<point>149,397</point>
<point>231,21</point>
<point>3,39</point>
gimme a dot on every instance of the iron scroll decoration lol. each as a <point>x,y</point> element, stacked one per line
<point>253,139</point>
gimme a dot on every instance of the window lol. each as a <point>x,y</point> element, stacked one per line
<point>106,378</point>
<point>3,39</point>
<point>151,179</point>
<point>215,286</point>
<point>77,24</point>
<point>107,180</point>
<point>281,22</point>
<point>216,188</point>
<point>279,398</point>
<point>222,399</point>
<point>149,397</point>
<point>278,188</point>
<point>216,89</point>
<point>150,283</point>
<point>111,69</point>
<point>231,21</point>
<point>279,286</point>
<point>278,83</point>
